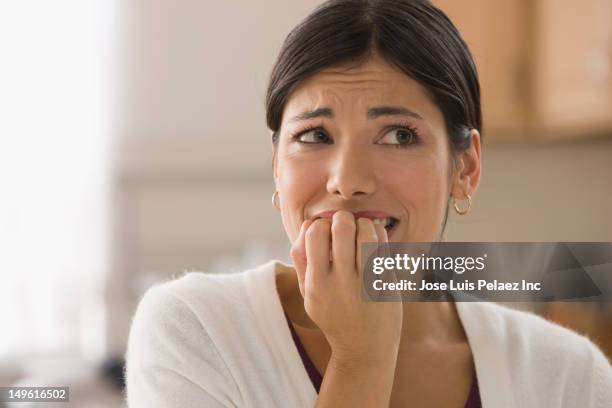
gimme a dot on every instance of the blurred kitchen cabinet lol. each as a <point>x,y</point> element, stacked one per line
<point>545,65</point>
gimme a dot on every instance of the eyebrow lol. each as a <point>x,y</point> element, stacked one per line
<point>379,111</point>
<point>373,113</point>
<point>317,113</point>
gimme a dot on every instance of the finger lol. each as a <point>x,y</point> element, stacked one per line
<point>383,239</point>
<point>366,233</point>
<point>318,239</point>
<point>385,252</point>
<point>343,240</point>
<point>298,254</point>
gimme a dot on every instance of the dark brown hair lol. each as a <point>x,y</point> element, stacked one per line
<point>412,35</point>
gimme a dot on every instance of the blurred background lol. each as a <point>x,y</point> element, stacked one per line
<point>133,147</point>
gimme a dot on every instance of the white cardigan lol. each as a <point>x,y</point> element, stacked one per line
<point>222,341</point>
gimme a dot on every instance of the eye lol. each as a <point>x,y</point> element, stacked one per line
<point>312,136</point>
<point>399,136</point>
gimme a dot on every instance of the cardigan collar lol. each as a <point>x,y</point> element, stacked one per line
<point>485,331</point>
<point>481,321</point>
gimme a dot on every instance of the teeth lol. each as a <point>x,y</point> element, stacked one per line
<point>384,221</point>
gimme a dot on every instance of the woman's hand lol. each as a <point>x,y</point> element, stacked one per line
<point>330,282</point>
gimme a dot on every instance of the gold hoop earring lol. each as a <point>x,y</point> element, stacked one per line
<point>465,210</point>
<point>274,200</point>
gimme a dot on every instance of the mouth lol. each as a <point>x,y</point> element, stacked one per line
<point>389,222</point>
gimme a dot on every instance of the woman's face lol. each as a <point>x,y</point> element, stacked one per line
<point>369,140</point>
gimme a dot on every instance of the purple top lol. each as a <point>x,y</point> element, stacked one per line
<point>473,400</point>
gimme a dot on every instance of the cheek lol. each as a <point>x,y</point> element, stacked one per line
<point>417,185</point>
<point>420,186</point>
<point>299,181</point>
<point>420,179</point>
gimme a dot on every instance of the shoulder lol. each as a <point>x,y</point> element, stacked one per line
<point>195,288</point>
<point>178,349</point>
<point>171,313</point>
<point>528,331</point>
<point>166,319</point>
<point>547,355</point>
<point>223,305</point>
<point>171,357</point>
<point>174,306</point>
<point>523,329</point>
<point>199,300</point>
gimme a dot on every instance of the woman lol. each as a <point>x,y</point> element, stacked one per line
<point>374,108</point>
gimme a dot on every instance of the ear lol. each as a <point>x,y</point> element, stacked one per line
<point>468,165</point>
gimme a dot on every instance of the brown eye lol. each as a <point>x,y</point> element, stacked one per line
<point>313,136</point>
<point>398,136</point>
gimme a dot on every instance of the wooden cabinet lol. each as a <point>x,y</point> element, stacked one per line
<point>545,65</point>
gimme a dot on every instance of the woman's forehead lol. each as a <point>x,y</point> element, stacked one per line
<point>359,88</point>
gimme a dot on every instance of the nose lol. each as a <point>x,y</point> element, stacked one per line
<point>351,174</point>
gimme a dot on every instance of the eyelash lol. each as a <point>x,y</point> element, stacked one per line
<point>399,126</point>
<point>297,134</point>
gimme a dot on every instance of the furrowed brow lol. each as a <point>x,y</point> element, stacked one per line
<point>317,113</point>
<point>373,113</point>
<point>379,111</point>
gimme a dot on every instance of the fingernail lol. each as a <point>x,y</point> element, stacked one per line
<point>376,221</point>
